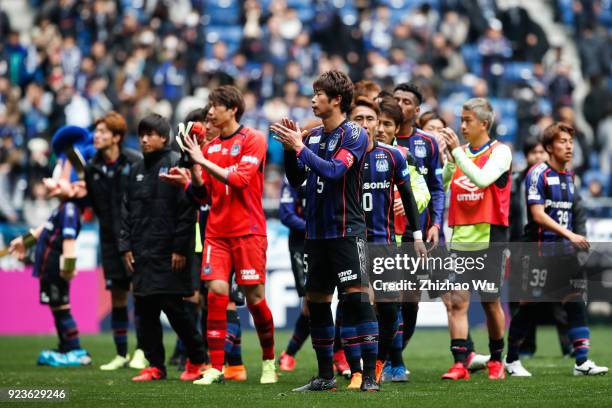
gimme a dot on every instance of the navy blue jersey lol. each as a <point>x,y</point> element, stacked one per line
<point>384,167</point>
<point>556,191</point>
<point>424,149</point>
<point>331,163</point>
<point>291,210</point>
<point>64,223</point>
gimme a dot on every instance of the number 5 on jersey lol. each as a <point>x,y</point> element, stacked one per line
<point>320,185</point>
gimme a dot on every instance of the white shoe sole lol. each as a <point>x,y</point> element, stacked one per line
<point>590,373</point>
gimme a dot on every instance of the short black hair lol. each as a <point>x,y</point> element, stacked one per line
<point>530,144</point>
<point>367,102</point>
<point>197,115</point>
<point>412,88</point>
<point>389,106</point>
<point>154,123</point>
<point>336,83</point>
<point>230,97</point>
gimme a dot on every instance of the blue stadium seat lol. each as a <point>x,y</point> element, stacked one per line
<point>506,129</point>
<point>230,35</point>
<point>347,11</point>
<point>406,5</point>
<point>223,11</point>
<point>605,18</point>
<point>517,71</point>
<point>567,12</point>
<point>396,4</point>
<point>472,58</point>
<point>506,107</point>
<point>545,106</point>
<point>305,13</point>
<point>297,4</point>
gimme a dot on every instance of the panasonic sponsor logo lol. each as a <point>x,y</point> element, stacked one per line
<point>563,205</point>
<point>375,185</point>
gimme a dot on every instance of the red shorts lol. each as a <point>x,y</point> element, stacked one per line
<point>245,255</point>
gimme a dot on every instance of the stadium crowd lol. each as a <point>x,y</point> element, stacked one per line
<point>82,59</point>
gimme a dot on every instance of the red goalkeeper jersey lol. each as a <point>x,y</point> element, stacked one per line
<point>236,207</point>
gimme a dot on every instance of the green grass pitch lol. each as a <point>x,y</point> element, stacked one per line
<point>427,357</point>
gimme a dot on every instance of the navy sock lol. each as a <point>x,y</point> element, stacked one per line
<point>496,348</point>
<point>459,350</point>
<point>300,334</point>
<point>351,343</point>
<point>396,345</point>
<point>233,339</point>
<point>580,340</point>
<point>119,325</point>
<point>579,332</point>
<point>387,328</point>
<point>68,331</point>
<point>410,310</point>
<point>337,335</point>
<point>322,336</point>
<point>358,307</point>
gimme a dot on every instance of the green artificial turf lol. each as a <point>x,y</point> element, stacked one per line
<point>427,357</point>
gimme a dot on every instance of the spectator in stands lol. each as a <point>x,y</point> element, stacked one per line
<point>593,47</point>
<point>15,54</point>
<point>596,106</point>
<point>561,87</point>
<point>495,50</point>
<point>137,57</point>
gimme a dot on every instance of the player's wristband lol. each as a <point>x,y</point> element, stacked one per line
<point>67,265</point>
<point>417,235</point>
<point>28,240</point>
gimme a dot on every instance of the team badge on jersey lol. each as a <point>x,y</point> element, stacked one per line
<point>332,144</point>
<point>420,152</point>
<point>382,165</point>
<point>235,150</point>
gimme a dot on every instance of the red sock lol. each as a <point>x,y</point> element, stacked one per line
<point>216,328</point>
<point>262,317</point>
